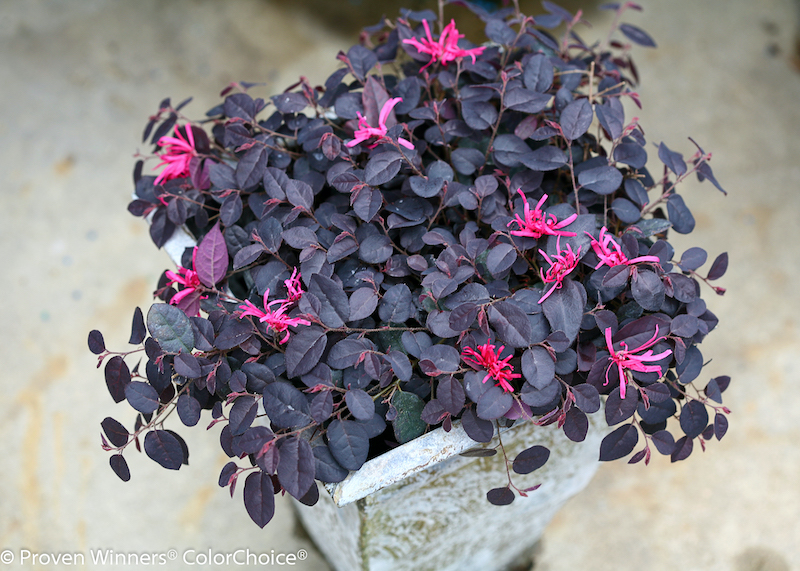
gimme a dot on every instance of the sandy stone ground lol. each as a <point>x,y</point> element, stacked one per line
<point>78,80</point>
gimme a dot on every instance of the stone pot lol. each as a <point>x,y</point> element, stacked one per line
<point>422,506</point>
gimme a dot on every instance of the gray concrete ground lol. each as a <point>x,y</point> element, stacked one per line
<point>78,81</point>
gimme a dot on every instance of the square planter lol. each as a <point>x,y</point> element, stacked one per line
<point>422,506</point>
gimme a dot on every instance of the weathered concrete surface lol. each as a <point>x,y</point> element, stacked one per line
<point>78,82</point>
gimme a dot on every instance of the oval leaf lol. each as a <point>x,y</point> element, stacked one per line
<point>164,448</point>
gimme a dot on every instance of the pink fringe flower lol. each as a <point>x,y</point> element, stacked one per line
<point>178,153</point>
<point>610,253</point>
<point>294,287</point>
<point>187,278</point>
<point>560,266</point>
<point>276,319</point>
<point>366,132</point>
<point>488,359</point>
<point>625,359</point>
<point>446,49</point>
<point>537,224</point>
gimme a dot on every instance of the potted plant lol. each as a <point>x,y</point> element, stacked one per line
<point>450,250</point>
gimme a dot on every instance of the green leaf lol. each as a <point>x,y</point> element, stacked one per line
<point>171,328</point>
<point>408,423</point>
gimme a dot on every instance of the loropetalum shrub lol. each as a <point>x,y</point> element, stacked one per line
<point>441,232</point>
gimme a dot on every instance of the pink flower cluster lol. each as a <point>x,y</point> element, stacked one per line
<point>178,153</point>
<point>610,253</point>
<point>560,266</point>
<point>537,224</point>
<point>624,359</point>
<point>365,132</point>
<point>487,358</point>
<point>277,319</point>
<point>446,49</point>
<point>187,278</point>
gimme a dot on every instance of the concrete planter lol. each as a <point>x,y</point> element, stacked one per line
<point>423,507</point>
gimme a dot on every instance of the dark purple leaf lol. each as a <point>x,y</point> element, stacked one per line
<point>254,439</point>
<point>120,467</point>
<point>682,450</point>
<point>118,376</point>
<point>300,194</point>
<point>704,172</point>
<point>545,396</point>
<point>479,115</point>
<point>289,103</point>
<point>259,498</point>
<point>360,404</point>
<point>242,414</point>
<point>720,425</point>
<point>296,466</point>
<point>327,468</point>
<point>625,210</point>
<point>321,407</point>
<point>335,310</point>
<point>163,447</point>
<point>233,333</point>
<point>618,409</point>
<point>674,161</point>
<point>226,473</point>
<point>170,327</point>
<point>397,305</point>
<point>500,496</point>
<point>576,118</point>
<point>400,364</point>
<point>664,442</point>
<point>240,105</point>
<point>648,290</point>
<point>231,210</point>
<point>348,443</point>
<point>538,73</point>
<point>467,160</point>
<point>531,459</point>
<point>602,180</point>
<point>285,405</point>
<point>693,418</point>
<point>586,398</point>
<point>494,403</point>
<point>212,258</point>
<point>576,425</point>
<point>679,215</point>
<point>538,367</point>
<point>96,343</point>
<point>632,154</point>
<point>138,332</point>
<point>619,443</point>
<point>346,353</point>
<point>684,326</point>
<point>367,203</point>
<point>250,168</point>
<point>611,119</point>
<point>363,303</point>
<point>719,267</point>
<point>161,228</point>
<point>478,429</point>
<point>500,259</point>
<point>375,249</point>
<point>462,317</point>
<point>116,433</point>
<point>637,35</point>
<point>383,167</point>
<point>141,396</point>
<point>690,367</point>
<point>545,158</point>
<point>511,323</point>
<point>187,365</point>
<point>525,100</point>
<point>450,394</point>
<point>426,187</point>
<point>188,409</point>
<point>693,258</point>
<point>564,308</point>
<point>303,351</point>
<point>247,255</point>
<point>438,359</point>
<point>713,391</point>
